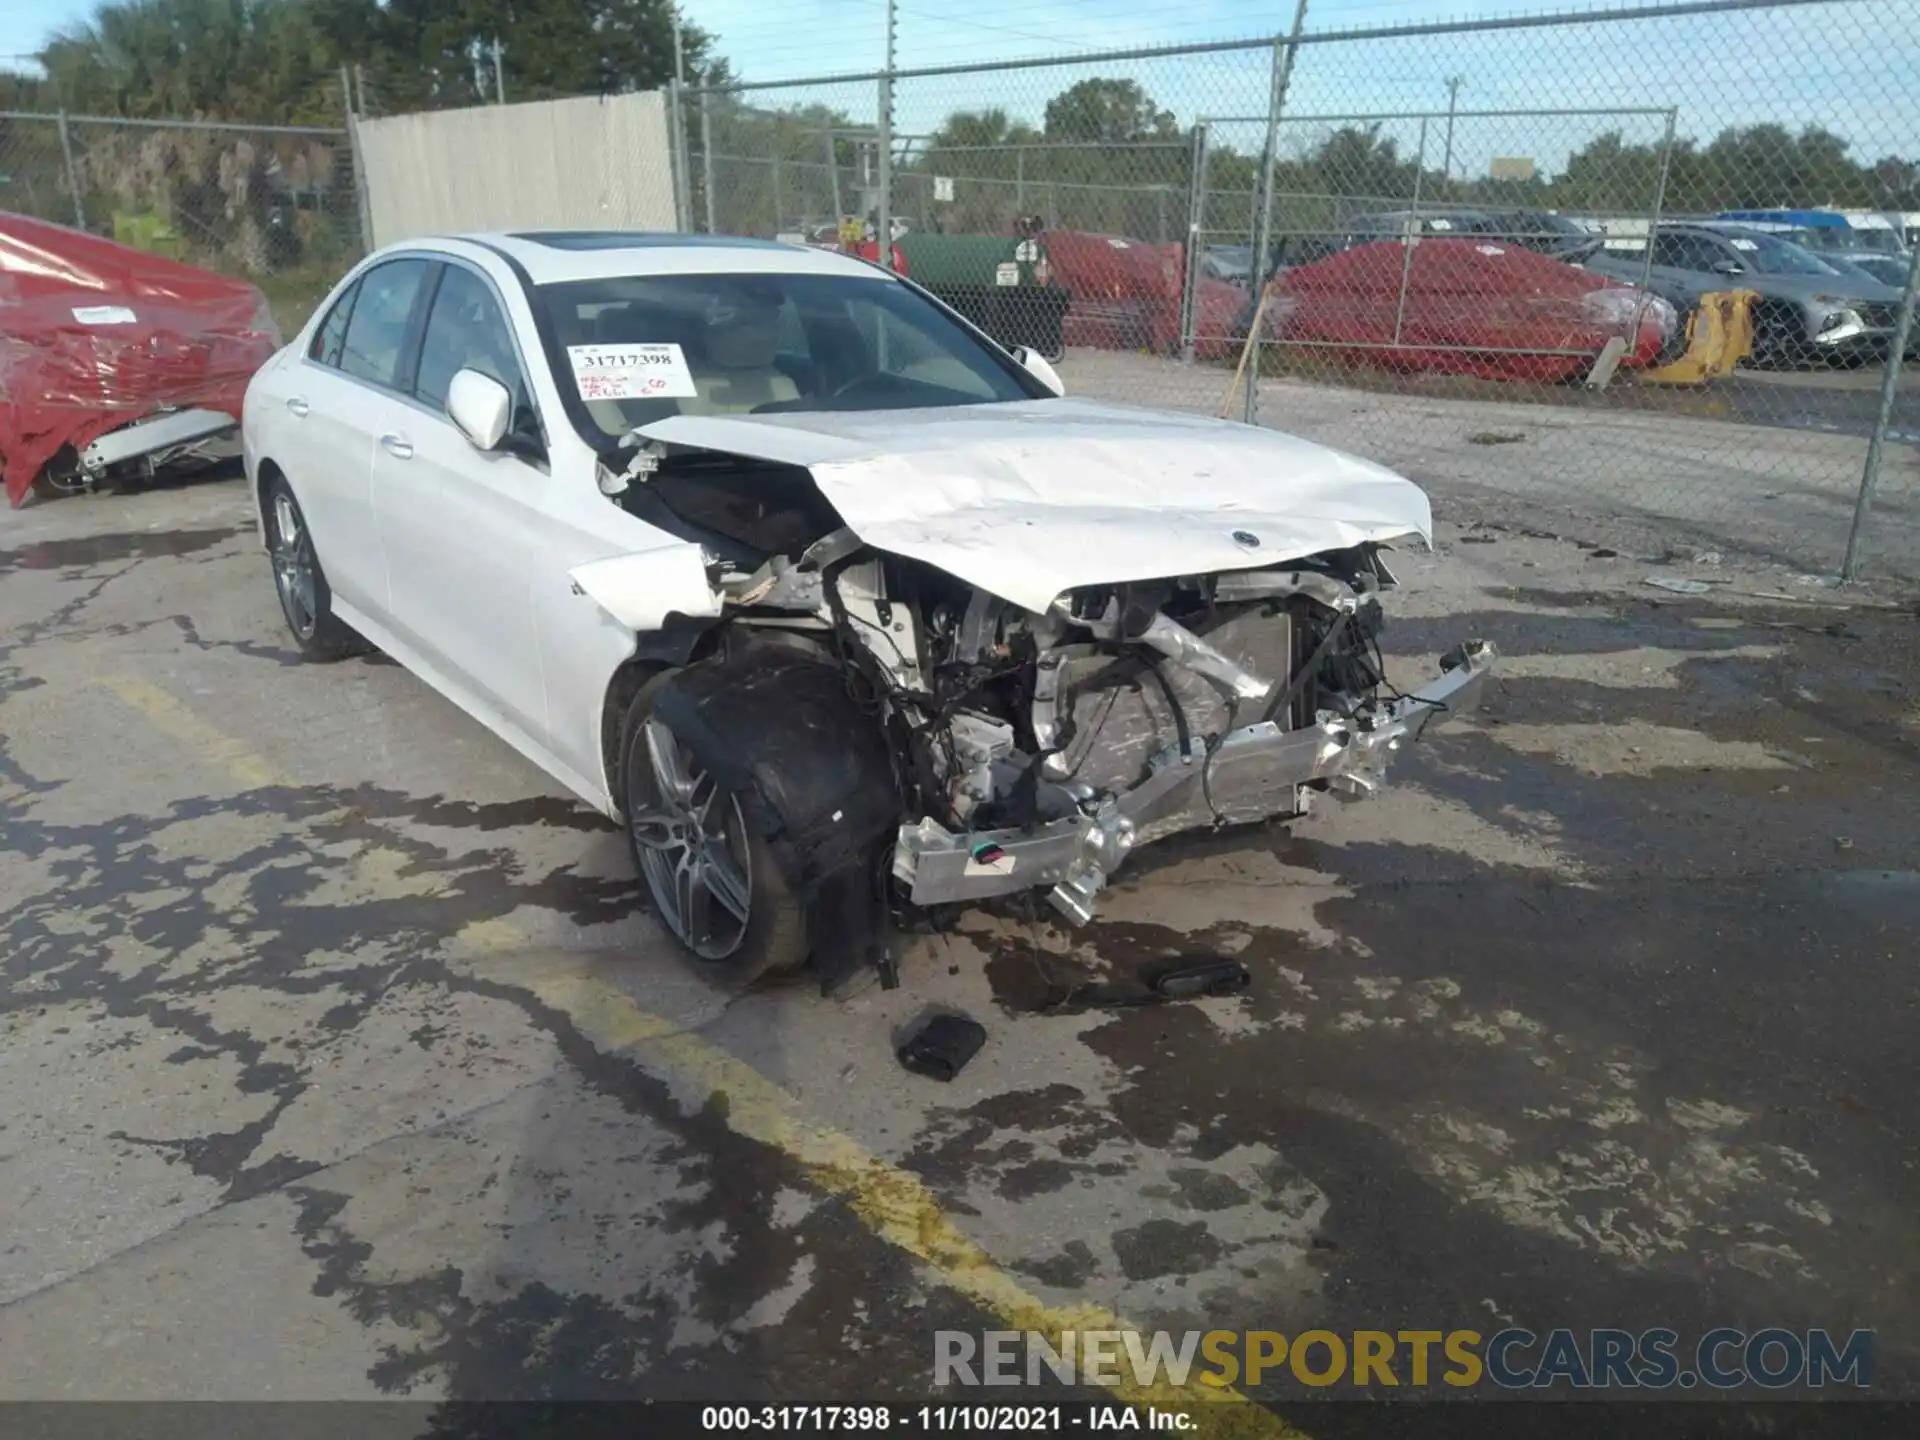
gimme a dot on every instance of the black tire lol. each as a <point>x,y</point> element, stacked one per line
<point>305,598</point>
<point>771,940</point>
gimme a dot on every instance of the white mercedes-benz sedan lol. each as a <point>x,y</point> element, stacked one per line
<point>840,609</point>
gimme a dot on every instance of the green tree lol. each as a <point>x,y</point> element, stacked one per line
<point>1107,110</point>
<point>992,179</point>
<point>279,60</point>
<point>1896,183</point>
<point>430,54</point>
<point>1609,174</point>
<point>770,167</point>
<point>264,60</point>
<point>1768,165</point>
<point>1360,165</point>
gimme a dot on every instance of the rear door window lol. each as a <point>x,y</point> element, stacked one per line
<point>1673,252</point>
<point>376,336</point>
<point>329,339</point>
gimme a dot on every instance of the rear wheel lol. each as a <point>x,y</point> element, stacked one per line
<point>305,598</point>
<point>714,881</point>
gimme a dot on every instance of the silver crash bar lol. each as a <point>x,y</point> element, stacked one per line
<point>1251,774</point>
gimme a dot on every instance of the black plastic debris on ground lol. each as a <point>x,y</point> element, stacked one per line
<point>942,1046</point>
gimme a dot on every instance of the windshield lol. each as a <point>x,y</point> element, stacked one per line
<point>1548,223</point>
<point>1880,242</point>
<point>1771,256</point>
<point>1845,240</point>
<point>633,349</point>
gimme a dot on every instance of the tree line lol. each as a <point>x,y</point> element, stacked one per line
<point>280,61</point>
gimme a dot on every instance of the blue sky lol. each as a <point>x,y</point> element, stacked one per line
<point>1852,66</point>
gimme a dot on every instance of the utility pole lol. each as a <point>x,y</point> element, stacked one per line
<point>1453,101</point>
<point>883,228</point>
<point>499,76</point>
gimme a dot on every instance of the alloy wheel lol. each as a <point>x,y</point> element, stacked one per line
<point>692,842</point>
<point>294,566</point>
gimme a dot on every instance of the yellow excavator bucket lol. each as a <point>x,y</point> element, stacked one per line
<point>1719,337</point>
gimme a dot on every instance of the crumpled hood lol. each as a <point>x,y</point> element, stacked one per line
<point>1028,499</point>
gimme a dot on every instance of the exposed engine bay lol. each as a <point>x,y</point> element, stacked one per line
<point>1036,750</point>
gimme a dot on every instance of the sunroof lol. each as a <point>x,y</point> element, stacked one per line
<point>639,240</point>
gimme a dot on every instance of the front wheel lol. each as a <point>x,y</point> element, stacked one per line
<point>714,881</point>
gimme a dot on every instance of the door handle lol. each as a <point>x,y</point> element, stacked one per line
<point>298,405</point>
<point>397,446</point>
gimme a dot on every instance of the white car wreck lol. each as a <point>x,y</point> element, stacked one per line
<point>838,608</point>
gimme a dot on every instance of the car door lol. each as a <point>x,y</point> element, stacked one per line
<point>458,527</point>
<point>1672,274</point>
<point>326,438</point>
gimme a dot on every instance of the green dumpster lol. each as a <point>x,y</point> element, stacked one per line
<point>1002,283</point>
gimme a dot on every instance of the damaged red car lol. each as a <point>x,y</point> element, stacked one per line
<point>1467,307</point>
<point>115,363</point>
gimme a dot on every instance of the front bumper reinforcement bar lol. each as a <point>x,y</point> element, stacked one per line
<point>1250,774</point>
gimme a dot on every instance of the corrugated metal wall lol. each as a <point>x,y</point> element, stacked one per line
<point>594,162</point>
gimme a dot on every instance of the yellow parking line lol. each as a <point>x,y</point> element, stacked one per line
<point>891,1203</point>
<point>170,717</point>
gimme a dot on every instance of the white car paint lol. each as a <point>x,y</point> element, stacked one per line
<point>641,590</point>
<point>1029,499</point>
<point>516,589</point>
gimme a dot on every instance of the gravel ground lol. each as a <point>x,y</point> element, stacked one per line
<point>1767,465</point>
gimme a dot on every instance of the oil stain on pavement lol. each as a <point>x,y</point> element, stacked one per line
<point>1602,1018</point>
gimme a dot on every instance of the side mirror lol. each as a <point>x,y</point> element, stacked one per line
<point>1036,365</point>
<point>481,407</point>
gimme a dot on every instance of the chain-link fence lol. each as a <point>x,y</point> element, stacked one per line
<point>277,204</point>
<point>1633,275</point>
<point>1500,256</point>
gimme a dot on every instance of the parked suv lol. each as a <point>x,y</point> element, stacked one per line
<point>1809,312</point>
<point>1870,243</point>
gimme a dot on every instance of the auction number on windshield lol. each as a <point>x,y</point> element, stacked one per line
<point>631,372</point>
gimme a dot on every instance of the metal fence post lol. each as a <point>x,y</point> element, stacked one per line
<point>1882,421</point>
<point>1283,53</point>
<point>73,174</point>
<point>1412,237</point>
<point>357,157</point>
<point>1020,179</point>
<point>706,154</point>
<point>779,203</point>
<point>1196,246</point>
<point>677,158</point>
<point>833,177</point>
<point>1653,221</point>
<point>362,191</point>
<point>883,226</point>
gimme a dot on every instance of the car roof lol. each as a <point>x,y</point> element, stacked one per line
<point>1443,212</point>
<point>550,256</point>
<point>1805,219</point>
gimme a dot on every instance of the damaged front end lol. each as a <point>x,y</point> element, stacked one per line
<point>1048,747</point>
<point>1036,751</point>
<point>1030,749</point>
